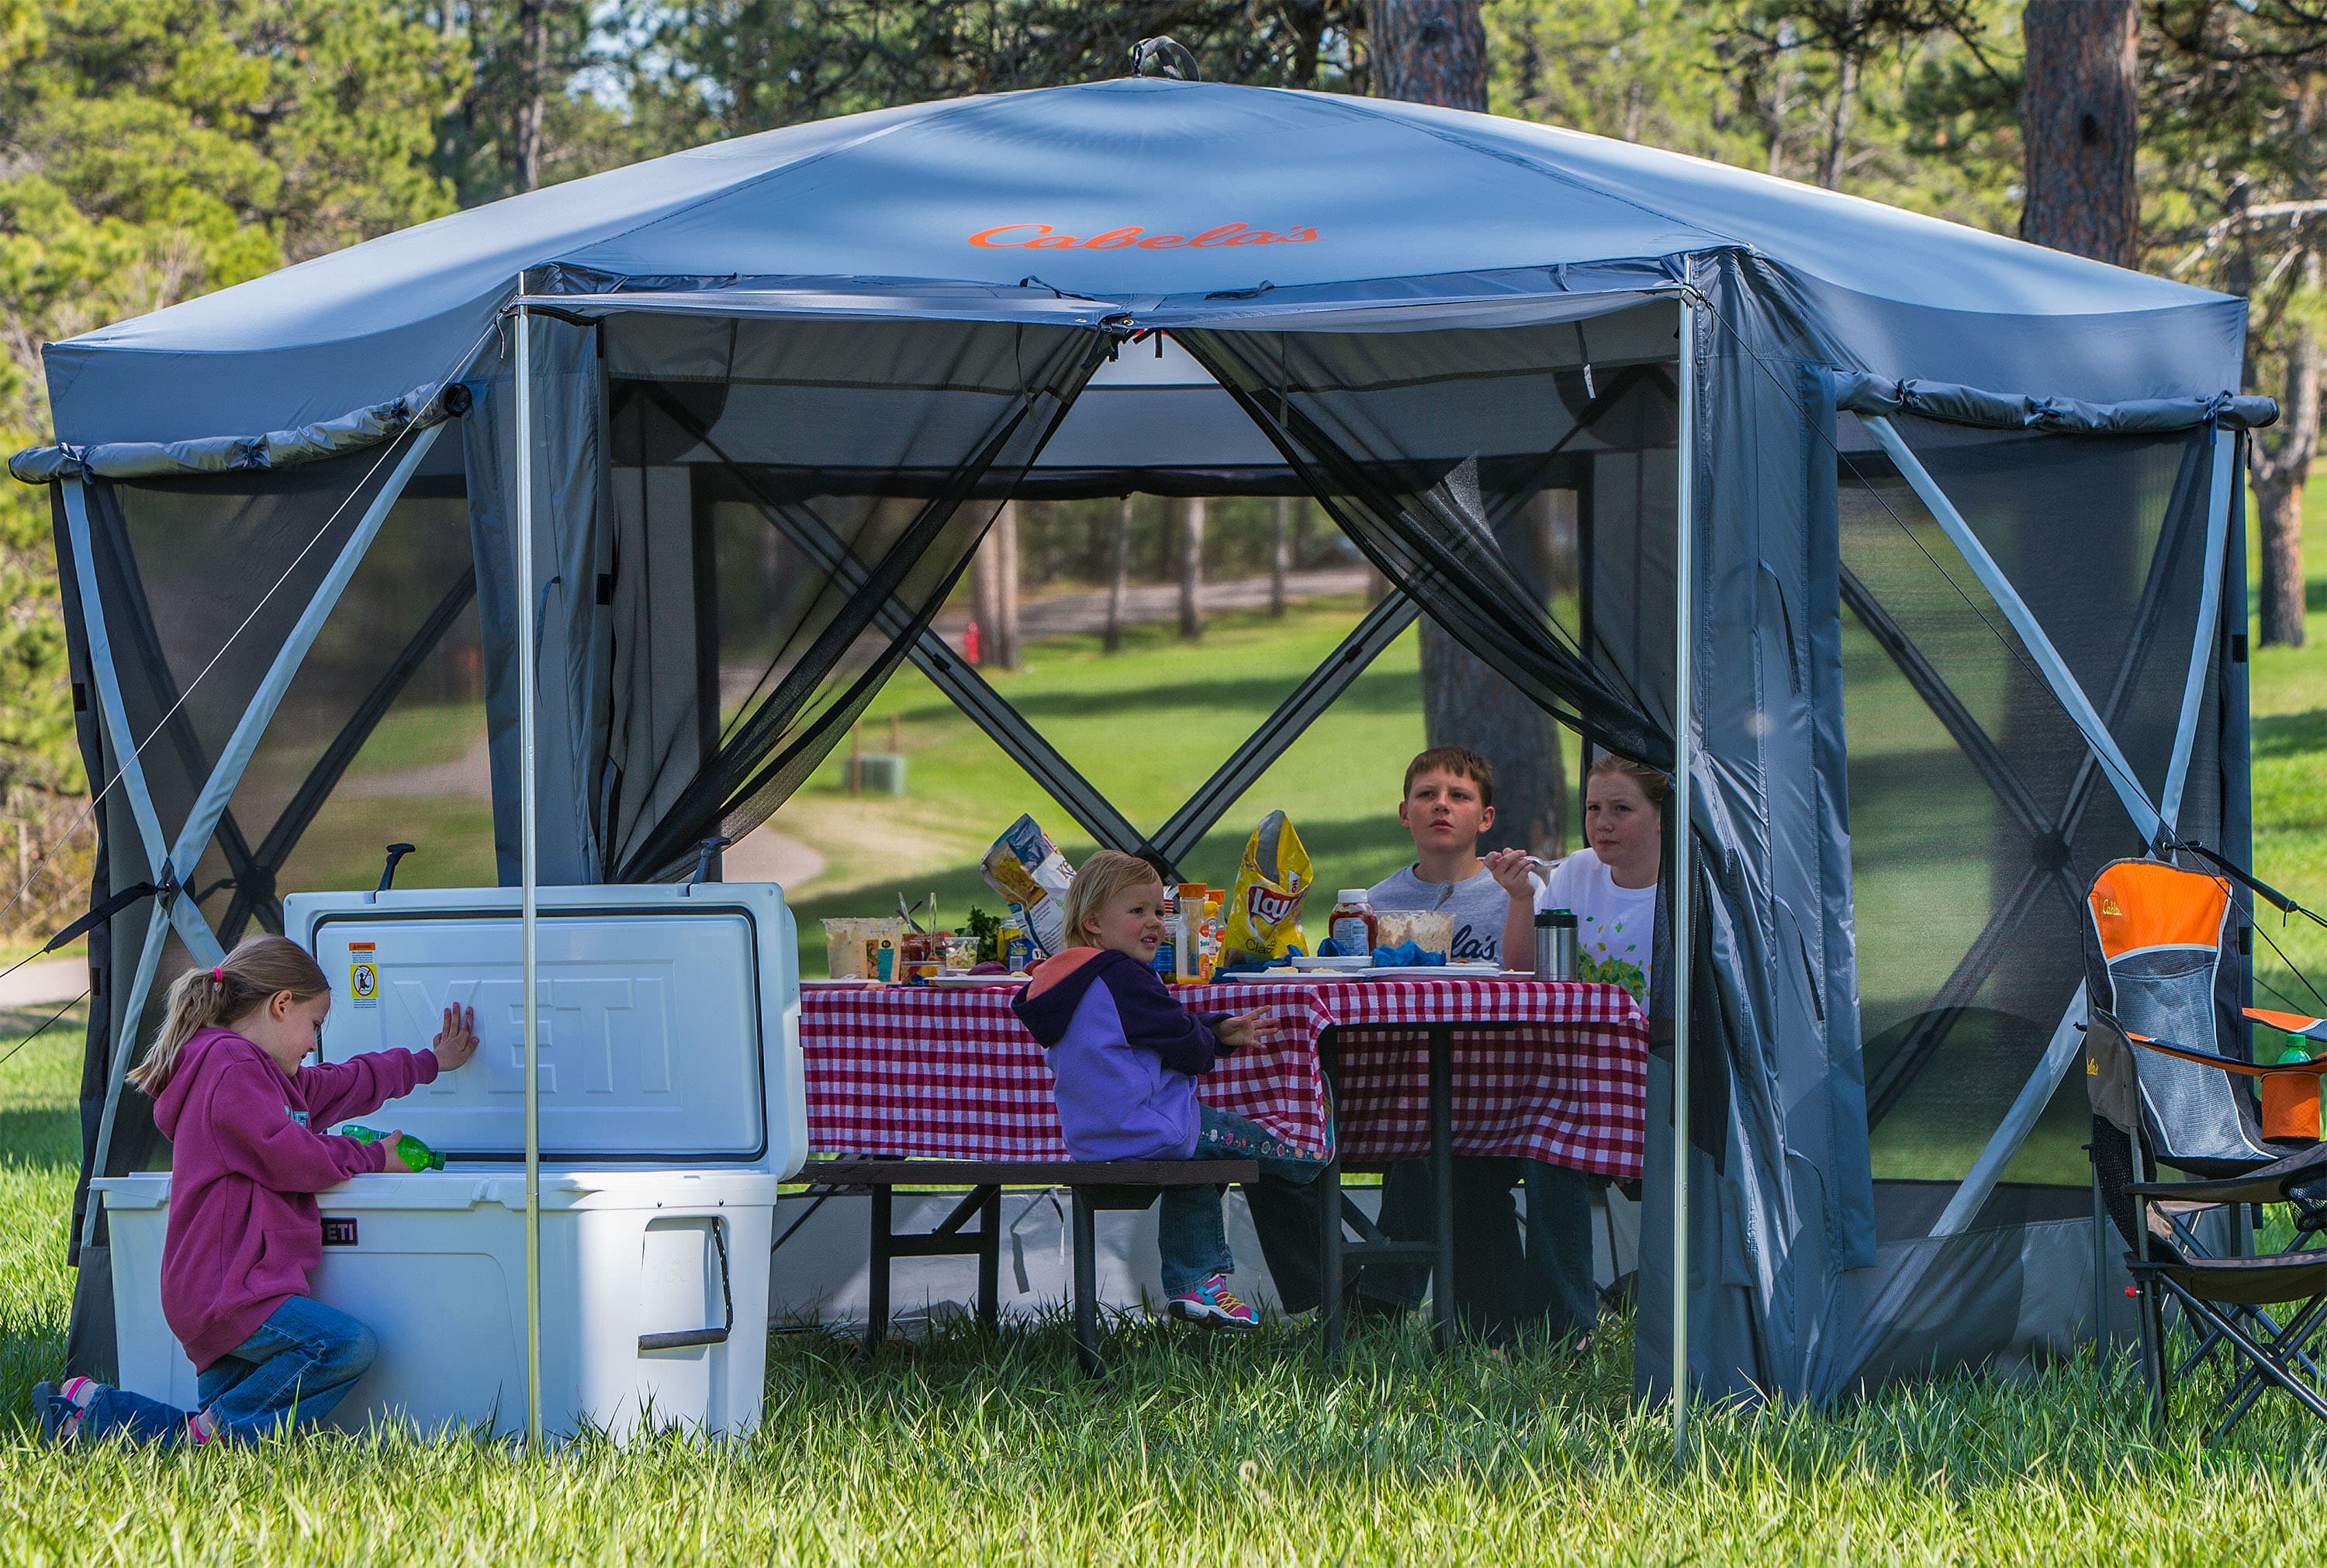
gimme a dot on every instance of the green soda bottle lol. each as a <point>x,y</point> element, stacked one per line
<point>415,1154</point>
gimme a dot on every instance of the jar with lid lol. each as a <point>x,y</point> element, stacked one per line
<point>1355,929</point>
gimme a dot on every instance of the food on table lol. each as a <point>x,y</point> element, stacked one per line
<point>853,946</point>
<point>1430,931</point>
<point>1026,868</point>
<point>1264,907</point>
<point>1353,925</point>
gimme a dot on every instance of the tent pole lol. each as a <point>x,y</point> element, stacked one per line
<point>1683,904</point>
<point>2202,643</point>
<point>528,814</point>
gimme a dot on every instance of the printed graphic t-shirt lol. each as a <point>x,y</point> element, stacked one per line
<point>1478,903</point>
<point>1615,927</point>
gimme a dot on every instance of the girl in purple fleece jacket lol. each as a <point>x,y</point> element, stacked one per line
<point>248,1151</point>
<point>1125,1057</point>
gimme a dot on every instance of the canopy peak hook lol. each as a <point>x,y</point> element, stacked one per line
<point>1164,57</point>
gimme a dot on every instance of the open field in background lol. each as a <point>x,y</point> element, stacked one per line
<point>1196,1448</point>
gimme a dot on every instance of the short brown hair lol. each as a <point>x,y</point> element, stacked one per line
<point>1460,761</point>
<point>1654,785</point>
<point>1105,875</point>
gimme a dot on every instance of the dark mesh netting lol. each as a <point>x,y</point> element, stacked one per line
<point>1442,452</point>
<point>201,585</point>
<point>1978,815</point>
<point>782,508</point>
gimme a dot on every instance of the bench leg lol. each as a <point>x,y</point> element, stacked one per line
<point>876,1283</point>
<point>1086,1287</point>
<point>990,1260</point>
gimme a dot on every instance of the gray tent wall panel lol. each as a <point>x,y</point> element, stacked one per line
<point>573,548</point>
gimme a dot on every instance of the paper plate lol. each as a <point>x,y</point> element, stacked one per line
<point>1354,961</point>
<point>972,982</point>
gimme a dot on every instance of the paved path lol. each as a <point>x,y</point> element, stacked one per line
<point>50,982</point>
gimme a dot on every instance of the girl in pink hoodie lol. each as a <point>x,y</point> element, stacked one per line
<point>248,1152</point>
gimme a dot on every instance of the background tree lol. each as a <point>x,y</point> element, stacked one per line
<point>2081,119</point>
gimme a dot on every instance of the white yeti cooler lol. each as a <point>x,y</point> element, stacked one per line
<point>671,1106</point>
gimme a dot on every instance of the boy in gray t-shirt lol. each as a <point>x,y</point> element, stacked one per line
<point>1450,794</point>
<point>1449,802</point>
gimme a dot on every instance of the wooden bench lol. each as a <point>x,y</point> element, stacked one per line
<point>1114,1184</point>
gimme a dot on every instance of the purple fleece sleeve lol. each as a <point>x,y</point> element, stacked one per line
<point>363,1084</point>
<point>1153,1020</point>
<point>256,1136</point>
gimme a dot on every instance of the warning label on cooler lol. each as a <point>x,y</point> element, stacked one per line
<point>363,974</point>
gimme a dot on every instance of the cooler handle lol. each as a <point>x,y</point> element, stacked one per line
<point>681,1339</point>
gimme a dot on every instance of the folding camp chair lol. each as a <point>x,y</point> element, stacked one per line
<point>2155,957</point>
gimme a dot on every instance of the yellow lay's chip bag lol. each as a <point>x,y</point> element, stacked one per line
<point>1265,905</point>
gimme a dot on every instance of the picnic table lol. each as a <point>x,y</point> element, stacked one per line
<point>1427,1066</point>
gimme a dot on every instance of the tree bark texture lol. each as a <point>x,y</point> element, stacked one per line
<point>2279,468</point>
<point>533,48</point>
<point>1191,566</point>
<point>2079,118</point>
<point>994,590</point>
<point>1429,51</point>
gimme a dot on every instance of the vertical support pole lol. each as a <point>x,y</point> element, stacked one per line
<point>1441,1179</point>
<point>528,862</point>
<point>1684,877</point>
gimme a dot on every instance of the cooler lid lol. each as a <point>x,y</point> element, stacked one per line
<point>668,1018</point>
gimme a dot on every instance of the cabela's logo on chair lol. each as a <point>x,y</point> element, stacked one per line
<point>1042,236</point>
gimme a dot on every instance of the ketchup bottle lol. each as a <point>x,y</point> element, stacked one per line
<point>1352,925</point>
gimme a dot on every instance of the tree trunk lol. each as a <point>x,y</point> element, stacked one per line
<point>1119,578</point>
<point>2279,471</point>
<point>993,589</point>
<point>533,50</point>
<point>1005,627</point>
<point>1430,51</point>
<point>1837,133</point>
<point>1280,550</point>
<point>2079,120</point>
<point>1192,567</point>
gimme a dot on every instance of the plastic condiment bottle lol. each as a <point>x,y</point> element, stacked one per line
<point>1188,934</point>
<point>415,1154</point>
<point>1354,925</point>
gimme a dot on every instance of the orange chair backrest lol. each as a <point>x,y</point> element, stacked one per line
<point>2140,905</point>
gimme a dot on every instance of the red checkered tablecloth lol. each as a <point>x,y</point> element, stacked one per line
<point>916,1071</point>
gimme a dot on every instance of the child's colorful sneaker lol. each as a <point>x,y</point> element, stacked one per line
<point>61,1410</point>
<point>1211,1304</point>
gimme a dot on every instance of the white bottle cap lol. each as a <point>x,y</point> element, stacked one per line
<point>1354,895</point>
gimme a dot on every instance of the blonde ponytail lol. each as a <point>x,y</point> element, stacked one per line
<point>204,998</point>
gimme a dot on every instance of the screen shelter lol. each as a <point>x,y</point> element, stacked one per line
<point>1836,562</point>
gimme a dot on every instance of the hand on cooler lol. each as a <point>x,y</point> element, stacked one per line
<point>456,1042</point>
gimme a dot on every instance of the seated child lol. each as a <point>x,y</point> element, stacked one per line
<point>1126,1056</point>
<point>246,1125</point>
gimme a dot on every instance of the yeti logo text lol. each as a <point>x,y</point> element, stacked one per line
<point>1042,236</point>
<point>1266,907</point>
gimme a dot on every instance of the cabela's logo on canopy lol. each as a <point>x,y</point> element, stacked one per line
<point>1042,236</point>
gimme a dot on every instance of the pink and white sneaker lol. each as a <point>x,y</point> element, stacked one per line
<point>1212,1305</point>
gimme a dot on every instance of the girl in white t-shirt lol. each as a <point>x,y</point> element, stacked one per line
<point>1611,888</point>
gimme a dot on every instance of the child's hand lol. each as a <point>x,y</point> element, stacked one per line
<point>1510,868</point>
<point>1245,1030</point>
<point>456,1042</point>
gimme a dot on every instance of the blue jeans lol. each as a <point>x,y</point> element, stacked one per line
<point>1559,1247</point>
<point>298,1365</point>
<point>1189,1231</point>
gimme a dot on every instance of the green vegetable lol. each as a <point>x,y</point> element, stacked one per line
<point>987,930</point>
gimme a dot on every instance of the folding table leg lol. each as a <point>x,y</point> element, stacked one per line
<point>1086,1287</point>
<point>1329,1244</point>
<point>990,1260</point>
<point>876,1283</point>
<point>1441,1175</point>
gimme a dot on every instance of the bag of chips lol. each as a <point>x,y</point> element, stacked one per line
<point>1265,905</point>
<point>1028,871</point>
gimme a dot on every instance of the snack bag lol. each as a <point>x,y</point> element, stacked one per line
<point>1265,906</point>
<point>1027,870</point>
